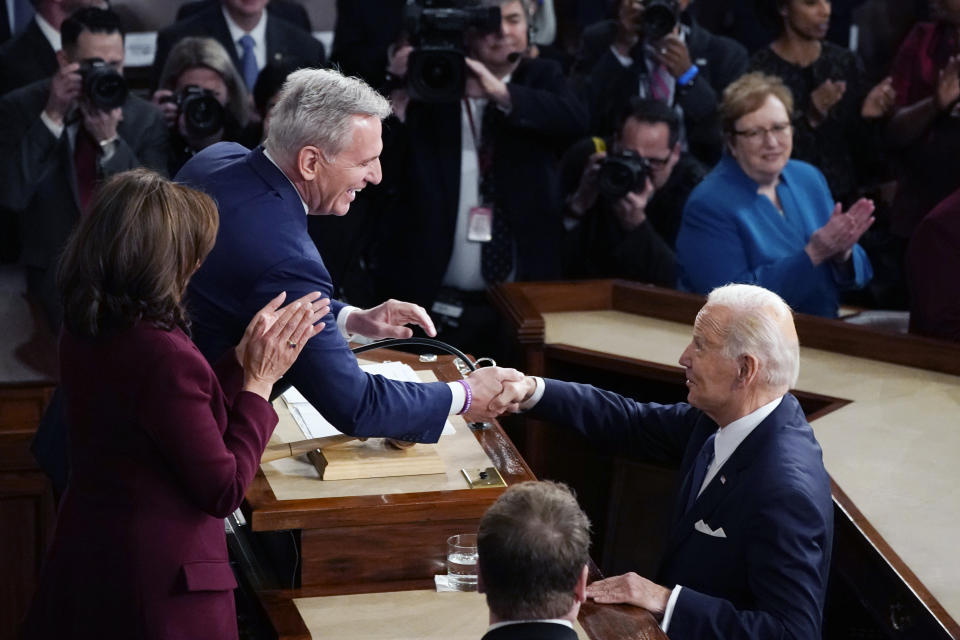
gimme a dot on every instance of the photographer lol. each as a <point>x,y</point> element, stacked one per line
<point>60,137</point>
<point>478,200</point>
<point>624,206</point>
<point>654,49</point>
<point>202,98</point>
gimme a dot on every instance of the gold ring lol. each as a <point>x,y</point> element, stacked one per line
<point>291,344</point>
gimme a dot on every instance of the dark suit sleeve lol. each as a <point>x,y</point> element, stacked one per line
<point>326,373</point>
<point>547,105</point>
<point>178,409</point>
<point>791,539</point>
<point>28,152</point>
<point>143,144</point>
<point>652,432</point>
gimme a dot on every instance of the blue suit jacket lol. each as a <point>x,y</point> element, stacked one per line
<point>730,233</point>
<point>262,249</point>
<point>768,576</point>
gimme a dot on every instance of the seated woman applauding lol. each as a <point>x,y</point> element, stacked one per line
<point>761,218</point>
<point>162,445</point>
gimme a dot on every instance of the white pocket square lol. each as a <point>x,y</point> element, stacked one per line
<point>702,527</point>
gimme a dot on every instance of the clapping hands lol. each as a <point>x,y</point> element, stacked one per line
<point>835,240</point>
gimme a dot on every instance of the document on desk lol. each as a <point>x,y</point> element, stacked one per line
<point>314,425</point>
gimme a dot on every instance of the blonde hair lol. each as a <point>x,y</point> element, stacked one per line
<point>194,52</point>
<point>747,93</point>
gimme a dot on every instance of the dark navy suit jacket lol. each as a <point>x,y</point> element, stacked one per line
<point>767,577</point>
<point>262,249</point>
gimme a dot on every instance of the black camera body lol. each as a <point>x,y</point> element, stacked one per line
<point>203,114</point>
<point>660,18</point>
<point>436,71</point>
<point>623,172</point>
<point>103,86</point>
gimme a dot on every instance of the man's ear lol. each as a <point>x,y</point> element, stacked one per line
<point>748,366</point>
<point>310,162</point>
<point>580,589</point>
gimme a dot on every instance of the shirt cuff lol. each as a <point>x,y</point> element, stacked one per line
<point>342,321</point>
<point>532,401</point>
<point>626,61</point>
<point>55,129</point>
<point>459,398</point>
<point>671,603</point>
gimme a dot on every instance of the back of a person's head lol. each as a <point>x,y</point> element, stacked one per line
<point>130,257</point>
<point>532,544</point>
<point>316,107</point>
<point>91,19</point>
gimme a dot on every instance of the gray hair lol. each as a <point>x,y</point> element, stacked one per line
<point>315,108</point>
<point>532,545</point>
<point>755,328</point>
<point>193,52</point>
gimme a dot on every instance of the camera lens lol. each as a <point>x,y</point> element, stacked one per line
<point>615,179</point>
<point>202,113</point>
<point>659,19</point>
<point>438,73</point>
<point>104,87</point>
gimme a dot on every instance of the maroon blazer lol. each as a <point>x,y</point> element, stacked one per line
<point>162,448</point>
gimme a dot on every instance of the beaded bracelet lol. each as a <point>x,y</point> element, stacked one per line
<point>469,394</point>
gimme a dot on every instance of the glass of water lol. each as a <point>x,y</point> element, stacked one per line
<point>462,561</point>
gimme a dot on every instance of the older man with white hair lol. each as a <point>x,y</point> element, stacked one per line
<point>748,552</point>
<point>322,148</point>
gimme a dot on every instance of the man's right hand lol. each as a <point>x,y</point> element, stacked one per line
<point>65,88</point>
<point>487,385</point>
<point>631,209</point>
<point>163,98</point>
<point>583,199</point>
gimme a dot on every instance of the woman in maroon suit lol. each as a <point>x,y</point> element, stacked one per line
<point>162,445</point>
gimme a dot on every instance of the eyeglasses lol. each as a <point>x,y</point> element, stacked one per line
<point>657,163</point>
<point>780,131</point>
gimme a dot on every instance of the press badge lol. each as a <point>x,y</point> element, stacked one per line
<point>480,224</point>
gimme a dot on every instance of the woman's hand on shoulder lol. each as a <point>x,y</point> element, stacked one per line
<point>276,336</point>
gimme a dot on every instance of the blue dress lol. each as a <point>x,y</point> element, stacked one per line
<point>731,233</point>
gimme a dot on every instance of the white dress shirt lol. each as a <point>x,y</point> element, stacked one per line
<point>258,33</point>
<point>51,34</point>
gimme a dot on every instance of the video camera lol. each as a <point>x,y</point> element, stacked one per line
<point>103,86</point>
<point>202,112</point>
<point>436,71</point>
<point>621,173</point>
<point>659,19</point>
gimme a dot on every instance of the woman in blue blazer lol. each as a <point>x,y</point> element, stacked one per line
<point>761,218</point>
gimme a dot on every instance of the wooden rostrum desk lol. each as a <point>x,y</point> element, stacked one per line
<point>884,408</point>
<point>388,535</point>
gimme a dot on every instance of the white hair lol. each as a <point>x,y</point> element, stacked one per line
<point>755,328</point>
<point>315,108</point>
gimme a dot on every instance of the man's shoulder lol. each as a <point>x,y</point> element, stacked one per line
<point>214,161</point>
<point>600,34</point>
<point>200,23</point>
<point>143,112</point>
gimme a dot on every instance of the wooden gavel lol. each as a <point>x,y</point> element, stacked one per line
<point>290,449</point>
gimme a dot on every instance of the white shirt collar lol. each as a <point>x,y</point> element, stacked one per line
<point>306,209</point>
<point>258,33</point>
<point>729,437</point>
<point>51,34</point>
<point>497,625</point>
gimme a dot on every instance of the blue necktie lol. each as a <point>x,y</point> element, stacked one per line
<point>22,15</point>
<point>248,62</point>
<point>700,470</point>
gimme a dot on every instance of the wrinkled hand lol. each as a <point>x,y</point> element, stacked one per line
<point>269,314</point>
<point>163,99</point>
<point>880,100</point>
<point>673,54</point>
<point>269,352</point>
<point>65,88</point>
<point>630,589</point>
<point>825,97</point>
<point>630,210</point>
<point>389,320</point>
<point>587,191</point>
<point>481,83</point>
<point>948,85</point>
<point>102,125</point>
<point>486,386</point>
<point>835,239</point>
<point>513,395</point>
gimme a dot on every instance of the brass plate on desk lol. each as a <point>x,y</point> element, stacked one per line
<point>483,478</point>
